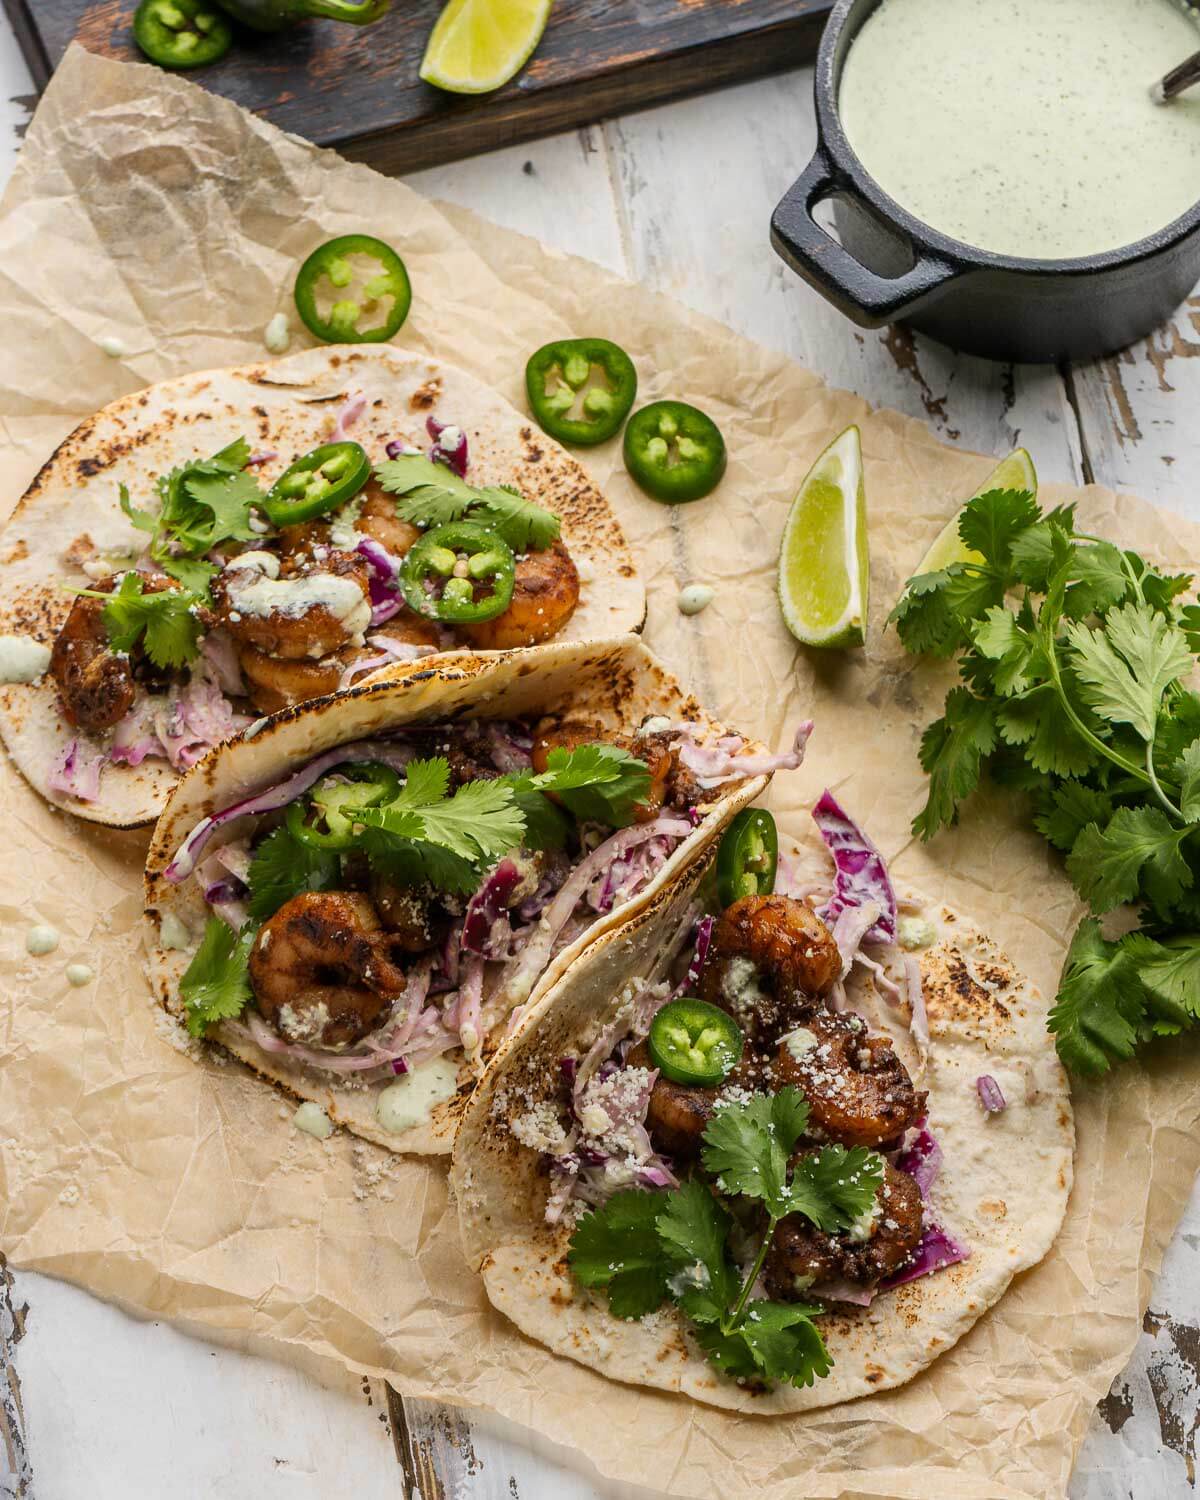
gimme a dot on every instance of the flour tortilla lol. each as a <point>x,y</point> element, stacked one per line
<point>1002,1188</point>
<point>614,684</point>
<point>70,513</point>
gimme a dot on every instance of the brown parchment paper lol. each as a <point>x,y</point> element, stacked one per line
<point>146,209</point>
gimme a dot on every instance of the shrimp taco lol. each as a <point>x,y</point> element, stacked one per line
<point>228,544</point>
<point>772,1157</point>
<point>358,900</point>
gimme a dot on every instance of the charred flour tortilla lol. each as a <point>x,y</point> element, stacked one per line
<point>1002,1187</point>
<point>70,515</point>
<point>614,685</point>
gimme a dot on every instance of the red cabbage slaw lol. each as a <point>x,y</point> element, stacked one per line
<point>714,764</point>
<point>861,875</point>
<point>449,446</point>
<point>991,1095</point>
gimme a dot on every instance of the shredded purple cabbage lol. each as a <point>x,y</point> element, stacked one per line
<point>74,774</point>
<point>991,1095</point>
<point>487,929</point>
<point>449,446</point>
<point>861,873</point>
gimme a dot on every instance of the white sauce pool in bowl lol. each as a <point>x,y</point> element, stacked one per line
<point>1026,127</point>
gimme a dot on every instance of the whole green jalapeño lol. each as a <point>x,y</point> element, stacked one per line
<point>748,856</point>
<point>693,1042</point>
<point>674,452</point>
<point>182,33</point>
<point>347,319</point>
<point>317,483</point>
<point>274,15</point>
<point>580,390</point>
<point>460,574</point>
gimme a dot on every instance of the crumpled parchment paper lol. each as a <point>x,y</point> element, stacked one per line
<point>148,210</point>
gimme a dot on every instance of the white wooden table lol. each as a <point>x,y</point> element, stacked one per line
<point>94,1404</point>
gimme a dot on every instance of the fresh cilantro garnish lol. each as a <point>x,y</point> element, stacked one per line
<point>283,867</point>
<point>201,504</point>
<point>431,495</point>
<point>1073,654</point>
<point>165,622</point>
<point>597,783</point>
<point>450,840</point>
<point>647,1247</point>
<point>216,984</point>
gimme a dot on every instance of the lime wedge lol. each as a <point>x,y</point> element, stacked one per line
<point>1016,472</point>
<point>823,568</point>
<point>477,45</point>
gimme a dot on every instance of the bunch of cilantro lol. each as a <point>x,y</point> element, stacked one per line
<point>647,1247</point>
<point>1074,658</point>
<point>201,505</point>
<point>433,495</point>
<point>426,834</point>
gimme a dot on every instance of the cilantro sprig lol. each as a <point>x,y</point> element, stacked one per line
<point>165,622</point>
<point>429,494</point>
<point>1074,657</point>
<point>216,984</point>
<point>644,1248</point>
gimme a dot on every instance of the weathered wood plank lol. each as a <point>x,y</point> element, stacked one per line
<point>16,1476</point>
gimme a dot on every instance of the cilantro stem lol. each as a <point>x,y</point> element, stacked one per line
<point>1154,782</point>
<point>1077,723</point>
<point>748,1285</point>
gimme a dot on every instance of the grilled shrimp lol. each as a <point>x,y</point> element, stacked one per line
<point>320,969</point>
<point>406,912</point>
<point>294,610</point>
<point>276,682</point>
<point>545,593</point>
<point>858,1091</point>
<point>378,519</point>
<point>767,954</point>
<point>95,682</point>
<point>660,758</point>
<point>882,1244</point>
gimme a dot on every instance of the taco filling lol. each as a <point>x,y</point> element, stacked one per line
<point>246,598</point>
<point>396,899</point>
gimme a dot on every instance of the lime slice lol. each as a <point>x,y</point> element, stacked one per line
<point>1016,472</point>
<point>477,45</point>
<point>823,568</point>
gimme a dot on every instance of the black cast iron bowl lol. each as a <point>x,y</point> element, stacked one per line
<point>891,267</point>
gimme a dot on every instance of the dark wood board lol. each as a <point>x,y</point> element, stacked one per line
<point>357,89</point>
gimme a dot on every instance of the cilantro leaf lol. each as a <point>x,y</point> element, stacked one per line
<point>1125,667</point>
<point>924,620</point>
<point>144,520</point>
<point>1100,1005</point>
<point>1049,741</point>
<point>1187,769</point>
<point>546,825</point>
<point>216,984</point>
<point>1138,845</point>
<point>598,783</point>
<point>990,522</point>
<point>431,495</point>
<point>746,1146</point>
<point>952,751</point>
<point>971,592</point>
<point>618,1247</point>
<point>784,1342</point>
<point>835,1186</point>
<point>693,1229</point>
<point>283,867</point>
<point>1170,972</point>
<point>1101,580</point>
<point>1067,809</point>
<point>165,622</point>
<point>1039,552</point>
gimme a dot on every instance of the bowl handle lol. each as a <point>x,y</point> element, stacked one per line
<point>865,297</point>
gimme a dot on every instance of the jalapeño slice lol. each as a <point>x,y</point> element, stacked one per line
<point>693,1042</point>
<point>560,397</point>
<point>346,321</point>
<point>674,452</point>
<point>336,799</point>
<point>182,33</point>
<point>318,482</point>
<point>444,572</point>
<point>748,856</point>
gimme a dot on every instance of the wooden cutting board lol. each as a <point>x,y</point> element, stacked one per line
<point>357,89</point>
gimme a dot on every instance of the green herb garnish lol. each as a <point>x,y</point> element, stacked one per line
<point>165,622</point>
<point>646,1247</point>
<point>1072,655</point>
<point>431,495</point>
<point>216,984</point>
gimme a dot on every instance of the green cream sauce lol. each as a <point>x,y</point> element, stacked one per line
<point>1026,126</point>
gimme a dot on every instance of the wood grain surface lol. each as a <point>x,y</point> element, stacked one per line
<point>358,89</point>
<point>107,1408</point>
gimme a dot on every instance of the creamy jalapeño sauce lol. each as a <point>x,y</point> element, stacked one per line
<point>1026,127</point>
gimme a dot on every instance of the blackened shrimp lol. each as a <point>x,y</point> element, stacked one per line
<point>406,911</point>
<point>96,684</point>
<point>768,943</point>
<point>293,610</point>
<point>321,971</point>
<point>859,1092</point>
<point>545,593</point>
<point>378,519</point>
<point>880,1244</point>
